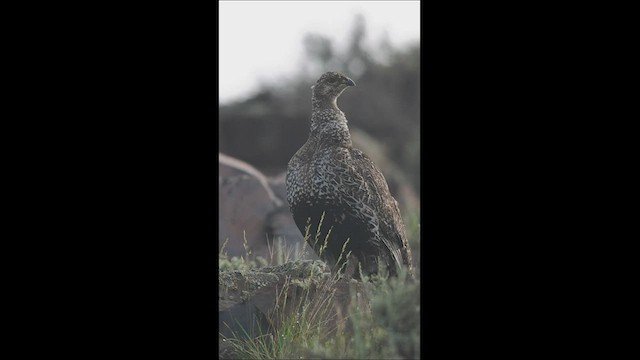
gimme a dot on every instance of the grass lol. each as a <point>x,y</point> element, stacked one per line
<point>280,252</point>
<point>301,318</point>
<point>381,320</point>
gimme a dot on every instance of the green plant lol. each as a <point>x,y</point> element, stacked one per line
<point>302,313</point>
<point>246,262</point>
<point>310,321</point>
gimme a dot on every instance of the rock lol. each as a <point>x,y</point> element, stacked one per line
<point>247,298</point>
<point>254,207</point>
<point>250,302</point>
<point>245,202</point>
<point>278,185</point>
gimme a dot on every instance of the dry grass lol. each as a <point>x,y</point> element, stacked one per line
<point>312,324</point>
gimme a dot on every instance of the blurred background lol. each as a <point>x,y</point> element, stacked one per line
<point>270,55</point>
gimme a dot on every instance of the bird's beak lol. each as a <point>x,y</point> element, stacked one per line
<point>350,82</point>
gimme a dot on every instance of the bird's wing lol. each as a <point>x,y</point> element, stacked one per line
<point>392,229</point>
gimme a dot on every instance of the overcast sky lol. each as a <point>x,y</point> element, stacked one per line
<point>262,40</point>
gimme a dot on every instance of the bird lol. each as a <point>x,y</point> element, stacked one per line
<point>338,197</point>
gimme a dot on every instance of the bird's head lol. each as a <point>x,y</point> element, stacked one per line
<point>330,86</point>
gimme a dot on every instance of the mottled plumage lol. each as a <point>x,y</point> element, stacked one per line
<point>336,190</point>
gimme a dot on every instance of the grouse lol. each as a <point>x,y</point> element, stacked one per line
<point>338,197</point>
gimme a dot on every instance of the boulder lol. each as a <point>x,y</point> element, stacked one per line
<point>250,212</point>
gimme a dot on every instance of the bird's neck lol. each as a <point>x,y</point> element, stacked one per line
<point>324,103</point>
<point>329,128</point>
